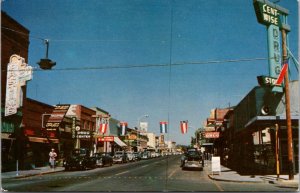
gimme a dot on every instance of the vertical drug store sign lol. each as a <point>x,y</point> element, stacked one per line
<point>274,17</point>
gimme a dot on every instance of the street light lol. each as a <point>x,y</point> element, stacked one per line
<point>46,63</point>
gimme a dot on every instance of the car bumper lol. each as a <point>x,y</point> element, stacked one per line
<point>117,160</point>
<point>192,164</point>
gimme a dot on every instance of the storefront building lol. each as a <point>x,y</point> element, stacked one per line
<point>11,43</point>
<point>255,120</point>
<point>84,133</point>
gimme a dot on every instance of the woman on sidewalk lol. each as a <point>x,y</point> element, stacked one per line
<point>52,156</point>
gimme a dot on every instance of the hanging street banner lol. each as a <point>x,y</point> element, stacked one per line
<point>102,122</point>
<point>184,126</point>
<point>18,73</point>
<point>103,127</point>
<point>56,117</point>
<point>163,127</point>
<point>123,127</point>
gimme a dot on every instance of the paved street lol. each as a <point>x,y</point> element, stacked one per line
<point>159,174</point>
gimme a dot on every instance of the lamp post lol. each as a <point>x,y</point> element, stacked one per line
<point>139,128</point>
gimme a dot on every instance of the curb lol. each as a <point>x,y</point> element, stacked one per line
<point>37,174</point>
<point>239,181</point>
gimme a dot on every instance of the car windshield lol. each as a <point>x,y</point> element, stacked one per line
<point>193,153</point>
<point>119,153</point>
<point>80,152</point>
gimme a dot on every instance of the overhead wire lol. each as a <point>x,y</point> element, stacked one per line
<point>22,33</point>
<point>107,67</point>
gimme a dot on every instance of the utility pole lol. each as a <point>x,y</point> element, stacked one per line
<point>288,110</point>
<point>277,151</point>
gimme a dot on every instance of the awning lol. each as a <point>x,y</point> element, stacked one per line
<point>119,142</point>
<point>42,140</point>
<point>268,120</point>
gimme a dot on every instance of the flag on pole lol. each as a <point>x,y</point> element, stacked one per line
<point>163,127</point>
<point>184,126</point>
<point>103,127</point>
<point>123,126</point>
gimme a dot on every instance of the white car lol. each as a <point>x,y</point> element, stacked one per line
<point>130,156</point>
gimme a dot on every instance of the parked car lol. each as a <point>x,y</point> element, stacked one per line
<point>146,155</point>
<point>157,154</point>
<point>137,156</point>
<point>79,159</point>
<point>192,159</point>
<point>103,159</point>
<point>120,157</point>
<point>130,156</point>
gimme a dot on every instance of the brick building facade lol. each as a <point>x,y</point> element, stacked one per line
<point>14,40</point>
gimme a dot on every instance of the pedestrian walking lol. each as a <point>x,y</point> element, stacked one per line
<point>52,156</point>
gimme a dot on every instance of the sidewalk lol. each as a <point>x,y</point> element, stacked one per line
<point>32,172</point>
<point>229,175</point>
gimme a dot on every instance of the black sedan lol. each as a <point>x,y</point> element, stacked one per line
<point>192,159</point>
<point>103,159</point>
<point>79,159</point>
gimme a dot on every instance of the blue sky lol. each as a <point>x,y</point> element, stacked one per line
<point>106,33</point>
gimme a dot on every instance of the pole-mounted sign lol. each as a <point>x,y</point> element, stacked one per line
<point>273,17</point>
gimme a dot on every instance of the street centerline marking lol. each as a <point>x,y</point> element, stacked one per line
<point>122,173</point>
<point>172,173</point>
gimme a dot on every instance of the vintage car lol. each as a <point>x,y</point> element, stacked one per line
<point>192,159</point>
<point>130,156</point>
<point>137,156</point>
<point>79,159</point>
<point>120,157</point>
<point>103,159</point>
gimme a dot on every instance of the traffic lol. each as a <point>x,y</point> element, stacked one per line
<point>83,158</point>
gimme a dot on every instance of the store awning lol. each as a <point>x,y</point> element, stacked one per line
<point>42,140</point>
<point>118,141</point>
<point>269,120</point>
